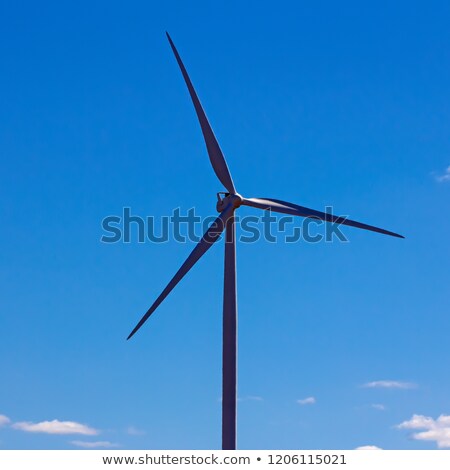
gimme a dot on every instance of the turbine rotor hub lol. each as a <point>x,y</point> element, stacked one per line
<point>225,199</point>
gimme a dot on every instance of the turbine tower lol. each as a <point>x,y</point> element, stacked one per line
<point>227,203</point>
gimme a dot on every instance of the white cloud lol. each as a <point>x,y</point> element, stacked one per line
<point>133,431</point>
<point>368,448</point>
<point>378,406</point>
<point>56,427</point>
<point>444,176</point>
<point>435,429</point>
<point>307,401</point>
<point>389,384</point>
<point>94,445</point>
<point>250,398</point>
<point>4,420</point>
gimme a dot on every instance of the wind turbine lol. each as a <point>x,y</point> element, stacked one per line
<point>227,203</point>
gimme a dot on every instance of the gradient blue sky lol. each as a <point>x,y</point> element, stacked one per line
<point>342,103</point>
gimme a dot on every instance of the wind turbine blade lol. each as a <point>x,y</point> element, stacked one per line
<point>215,153</point>
<point>210,237</point>
<point>293,209</point>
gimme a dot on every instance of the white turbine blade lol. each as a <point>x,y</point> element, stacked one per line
<point>293,209</point>
<point>208,239</point>
<point>215,153</point>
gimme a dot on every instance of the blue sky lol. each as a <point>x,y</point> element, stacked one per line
<point>318,103</point>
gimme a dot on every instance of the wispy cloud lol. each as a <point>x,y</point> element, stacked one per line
<point>443,177</point>
<point>56,427</point>
<point>251,398</point>
<point>4,420</point>
<point>437,430</point>
<point>389,384</point>
<point>94,445</point>
<point>378,406</point>
<point>133,431</point>
<point>246,398</point>
<point>307,401</point>
<point>368,448</point>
